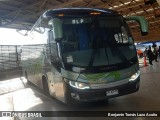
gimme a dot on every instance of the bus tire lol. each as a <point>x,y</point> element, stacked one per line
<point>26,76</point>
<point>45,85</point>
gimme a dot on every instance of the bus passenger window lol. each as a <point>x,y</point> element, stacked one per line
<point>52,47</point>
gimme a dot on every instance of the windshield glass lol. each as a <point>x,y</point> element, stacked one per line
<point>96,41</point>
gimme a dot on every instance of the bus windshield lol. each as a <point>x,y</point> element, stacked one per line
<point>89,41</point>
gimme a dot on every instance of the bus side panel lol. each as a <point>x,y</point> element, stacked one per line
<point>33,59</point>
<point>56,86</point>
<point>27,63</point>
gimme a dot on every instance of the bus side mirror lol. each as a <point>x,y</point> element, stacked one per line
<point>142,22</point>
<point>57,29</point>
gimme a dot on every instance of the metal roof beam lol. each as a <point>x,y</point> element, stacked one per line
<point>21,8</point>
<point>39,13</point>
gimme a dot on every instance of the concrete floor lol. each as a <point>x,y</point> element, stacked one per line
<point>15,95</point>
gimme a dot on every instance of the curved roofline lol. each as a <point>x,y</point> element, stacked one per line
<point>87,8</point>
<point>103,10</point>
<point>78,9</point>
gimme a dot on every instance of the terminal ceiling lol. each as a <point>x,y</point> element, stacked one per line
<point>21,15</point>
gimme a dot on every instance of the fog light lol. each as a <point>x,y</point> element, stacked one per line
<point>75,96</point>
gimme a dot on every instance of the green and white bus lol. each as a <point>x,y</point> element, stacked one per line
<point>87,54</point>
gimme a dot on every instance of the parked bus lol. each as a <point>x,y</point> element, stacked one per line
<point>87,54</point>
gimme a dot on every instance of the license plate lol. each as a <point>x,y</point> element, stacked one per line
<point>112,92</point>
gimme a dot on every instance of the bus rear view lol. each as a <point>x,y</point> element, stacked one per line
<point>96,57</point>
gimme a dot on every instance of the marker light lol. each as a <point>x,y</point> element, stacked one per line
<point>95,13</point>
<point>60,15</point>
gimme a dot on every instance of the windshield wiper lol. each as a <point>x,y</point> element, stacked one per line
<point>115,49</point>
<point>90,64</point>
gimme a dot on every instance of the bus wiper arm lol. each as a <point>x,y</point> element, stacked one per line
<point>106,53</point>
<point>92,58</point>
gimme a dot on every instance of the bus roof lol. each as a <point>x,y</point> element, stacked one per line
<point>77,11</point>
<point>74,11</point>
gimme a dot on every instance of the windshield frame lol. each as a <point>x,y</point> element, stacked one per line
<point>101,68</point>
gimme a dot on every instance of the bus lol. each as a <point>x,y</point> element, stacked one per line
<point>83,54</point>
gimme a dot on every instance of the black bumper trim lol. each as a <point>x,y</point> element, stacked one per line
<point>100,94</point>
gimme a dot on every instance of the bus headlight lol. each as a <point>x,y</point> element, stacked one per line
<point>79,85</point>
<point>135,76</point>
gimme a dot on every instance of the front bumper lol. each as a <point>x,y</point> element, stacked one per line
<point>100,94</point>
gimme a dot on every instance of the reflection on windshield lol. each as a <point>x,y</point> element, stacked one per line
<point>90,42</point>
